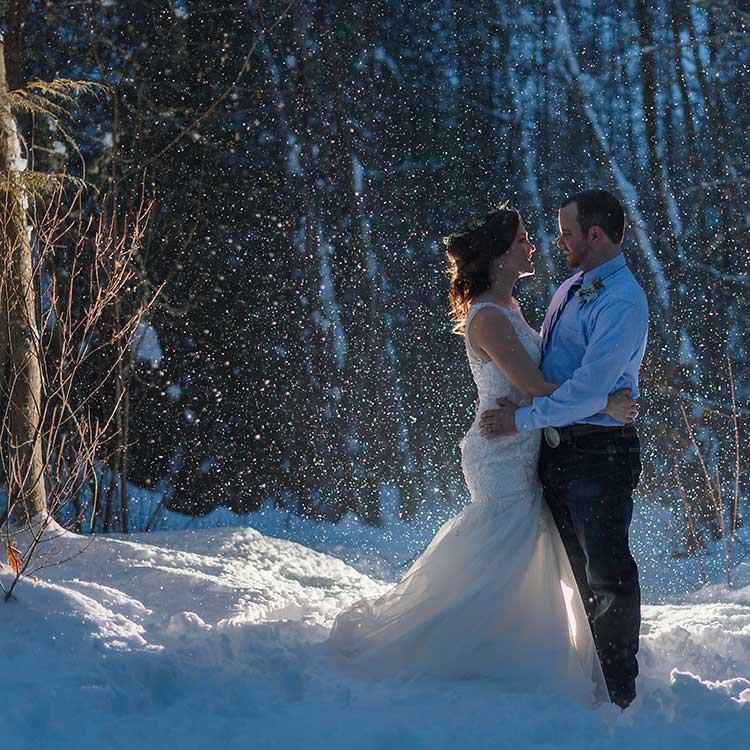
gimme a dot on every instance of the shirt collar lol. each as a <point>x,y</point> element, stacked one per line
<point>605,269</point>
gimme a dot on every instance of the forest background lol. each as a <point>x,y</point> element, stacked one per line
<point>304,160</point>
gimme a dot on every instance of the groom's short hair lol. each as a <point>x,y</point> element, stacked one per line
<point>599,208</point>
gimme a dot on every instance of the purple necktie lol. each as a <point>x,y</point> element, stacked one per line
<point>574,287</point>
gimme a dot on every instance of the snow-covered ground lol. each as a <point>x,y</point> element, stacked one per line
<point>212,637</point>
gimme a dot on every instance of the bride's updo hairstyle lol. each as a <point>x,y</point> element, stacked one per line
<point>471,251</point>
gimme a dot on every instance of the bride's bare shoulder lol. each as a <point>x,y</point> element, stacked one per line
<point>491,320</point>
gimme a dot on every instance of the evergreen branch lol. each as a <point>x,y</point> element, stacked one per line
<point>35,182</point>
<point>50,98</point>
<point>53,100</point>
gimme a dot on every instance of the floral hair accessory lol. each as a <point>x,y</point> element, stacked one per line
<point>475,221</point>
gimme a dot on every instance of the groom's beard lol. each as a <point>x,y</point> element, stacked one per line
<point>573,258</point>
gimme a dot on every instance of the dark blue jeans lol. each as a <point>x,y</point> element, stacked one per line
<point>588,485</point>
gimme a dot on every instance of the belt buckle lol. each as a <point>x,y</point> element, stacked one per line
<point>552,436</point>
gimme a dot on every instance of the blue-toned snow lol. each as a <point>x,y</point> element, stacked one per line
<point>206,636</point>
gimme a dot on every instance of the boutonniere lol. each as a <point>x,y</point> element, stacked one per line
<point>588,294</point>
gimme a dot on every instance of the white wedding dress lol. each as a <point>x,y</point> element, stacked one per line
<point>493,595</point>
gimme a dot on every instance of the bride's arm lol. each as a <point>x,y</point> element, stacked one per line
<point>493,336</point>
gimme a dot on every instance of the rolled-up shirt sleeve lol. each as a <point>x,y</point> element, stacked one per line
<point>618,330</point>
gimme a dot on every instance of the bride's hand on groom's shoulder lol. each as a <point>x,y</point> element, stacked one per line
<point>500,422</point>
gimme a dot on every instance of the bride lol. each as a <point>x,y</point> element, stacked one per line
<point>493,595</point>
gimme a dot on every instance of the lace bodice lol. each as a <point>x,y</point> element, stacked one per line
<point>509,461</point>
<point>491,383</point>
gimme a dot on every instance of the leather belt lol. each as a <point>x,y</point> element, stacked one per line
<point>554,436</point>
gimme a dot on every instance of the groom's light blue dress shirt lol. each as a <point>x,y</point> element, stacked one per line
<point>594,349</point>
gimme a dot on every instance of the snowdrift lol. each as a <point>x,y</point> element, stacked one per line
<point>196,639</point>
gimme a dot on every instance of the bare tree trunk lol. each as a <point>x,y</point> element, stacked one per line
<point>20,354</point>
<point>647,45</point>
<point>122,384</point>
<point>15,18</point>
<point>123,426</point>
<point>692,145</point>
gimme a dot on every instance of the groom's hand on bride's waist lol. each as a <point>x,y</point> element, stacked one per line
<point>500,422</point>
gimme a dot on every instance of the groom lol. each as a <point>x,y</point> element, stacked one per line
<point>594,337</point>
